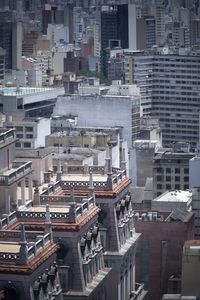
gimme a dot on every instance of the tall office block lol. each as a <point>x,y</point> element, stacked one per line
<point>16,45</point>
<point>168,80</point>
<point>158,12</point>
<point>175,98</point>
<point>118,23</point>
<point>146,32</point>
<point>11,39</point>
<point>2,63</point>
<point>6,41</point>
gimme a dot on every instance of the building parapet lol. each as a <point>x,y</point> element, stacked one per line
<point>139,292</point>
<point>58,214</point>
<point>8,219</point>
<point>101,185</point>
<point>18,170</point>
<point>6,134</point>
<point>13,256</point>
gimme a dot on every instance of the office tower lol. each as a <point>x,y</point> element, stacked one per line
<point>146,32</point>
<point>158,12</point>
<point>2,64</point>
<point>195,32</point>
<point>168,80</point>
<point>11,38</point>
<point>16,45</point>
<point>118,28</point>
<point>6,41</point>
<point>138,69</point>
<point>119,23</point>
<point>175,98</point>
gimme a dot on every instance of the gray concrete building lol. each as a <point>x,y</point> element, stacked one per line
<point>28,102</point>
<point>171,170</point>
<point>119,107</point>
<point>168,80</point>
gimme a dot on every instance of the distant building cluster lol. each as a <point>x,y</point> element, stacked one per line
<point>99,149</point>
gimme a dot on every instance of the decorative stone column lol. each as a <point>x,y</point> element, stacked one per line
<point>30,188</point>
<point>36,196</point>
<point>23,192</point>
<point>23,253</point>
<point>109,175</point>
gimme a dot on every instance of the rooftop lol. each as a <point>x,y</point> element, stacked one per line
<point>14,91</point>
<point>175,196</point>
<point>9,248</point>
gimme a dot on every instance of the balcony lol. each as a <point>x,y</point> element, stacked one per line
<point>15,173</point>
<point>139,292</point>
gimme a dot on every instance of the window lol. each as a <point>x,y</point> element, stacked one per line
<point>20,103</point>
<point>168,178</point>
<point>159,186</point>
<point>186,178</point>
<point>19,135</point>
<point>159,178</point>
<point>186,171</point>
<point>177,186</point>
<point>168,186</point>
<point>168,170</point>
<point>29,129</point>
<point>29,136</point>
<point>177,171</point>
<point>19,128</point>
<point>186,186</point>
<point>177,178</point>
<point>18,145</point>
<point>27,145</point>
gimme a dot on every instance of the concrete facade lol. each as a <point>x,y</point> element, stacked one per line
<point>159,252</point>
<point>13,173</point>
<point>31,133</point>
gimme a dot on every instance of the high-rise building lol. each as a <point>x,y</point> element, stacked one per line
<point>118,27</point>
<point>158,12</point>
<point>146,32</point>
<point>169,82</point>
<point>11,39</point>
<point>138,69</point>
<point>175,98</point>
<point>2,64</point>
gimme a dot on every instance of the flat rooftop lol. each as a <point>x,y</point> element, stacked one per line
<point>9,248</point>
<point>13,91</point>
<point>174,196</point>
<point>85,178</point>
<point>53,209</point>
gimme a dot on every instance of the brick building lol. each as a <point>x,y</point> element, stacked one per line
<point>159,252</point>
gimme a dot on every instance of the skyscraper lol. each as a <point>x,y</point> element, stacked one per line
<point>118,28</point>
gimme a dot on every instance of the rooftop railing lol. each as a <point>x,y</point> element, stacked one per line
<point>6,134</point>
<point>19,170</point>
<point>32,250</point>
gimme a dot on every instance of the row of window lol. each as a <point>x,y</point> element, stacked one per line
<point>21,136</point>
<point>169,178</point>
<point>23,145</point>
<point>169,170</point>
<point>27,128</point>
<point>170,187</point>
